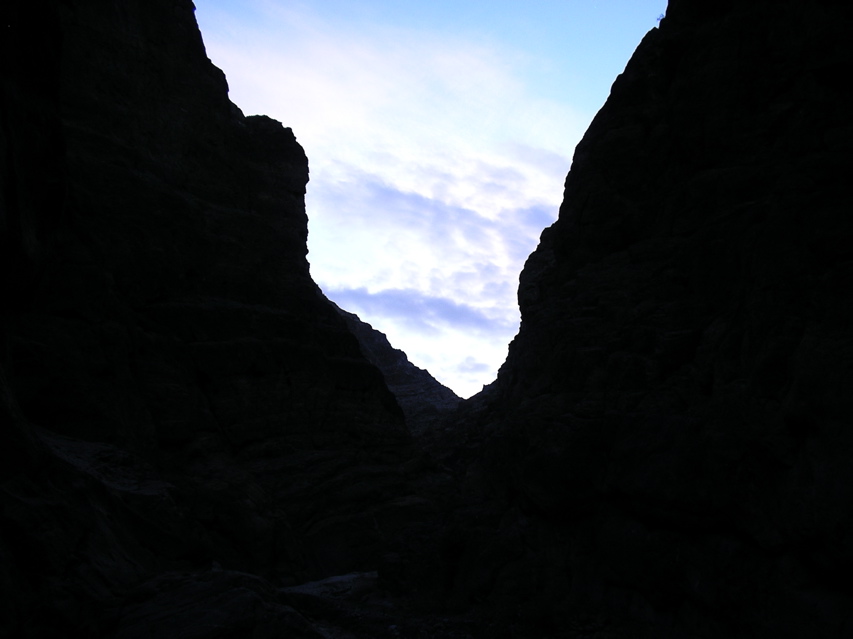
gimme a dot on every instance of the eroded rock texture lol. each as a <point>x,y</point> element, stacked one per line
<point>672,433</point>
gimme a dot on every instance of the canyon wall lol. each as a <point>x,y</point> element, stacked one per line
<point>670,441</point>
<point>177,392</point>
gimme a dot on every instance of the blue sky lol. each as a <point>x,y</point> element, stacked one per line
<point>439,136</point>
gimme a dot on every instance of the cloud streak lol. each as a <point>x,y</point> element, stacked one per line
<point>422,312</point>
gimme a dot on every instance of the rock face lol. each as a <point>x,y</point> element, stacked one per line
<point>184,235</point>
<point>424,400</point>
<point>673,422</point>
<point>177,392</point>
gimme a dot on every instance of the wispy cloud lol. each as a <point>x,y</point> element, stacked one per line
<point>422,312</point>
<point>472,366</point>
<point>419,242</point>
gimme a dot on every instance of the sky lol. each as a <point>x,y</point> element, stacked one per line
<point>438,135</point>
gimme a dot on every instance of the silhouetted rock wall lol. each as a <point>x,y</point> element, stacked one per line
<point>423,399</point>
<point>177,394</point>
<point>673,428</point>
<point>185,241</point>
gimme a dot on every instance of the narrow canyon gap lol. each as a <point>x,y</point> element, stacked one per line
<point>197,443</point>
<point>439,135</point>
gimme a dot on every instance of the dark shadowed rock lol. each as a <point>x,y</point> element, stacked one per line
<point>672,426</point>
<point>424,400</point>
<point>176,391</point>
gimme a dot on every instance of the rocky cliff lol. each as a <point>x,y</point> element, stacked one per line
<point>194,444</point>
<point>177,393</point>
<point>672,428</point>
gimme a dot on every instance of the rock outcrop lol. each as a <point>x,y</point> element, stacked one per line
<point>670,439</point>
<point>424,400</point>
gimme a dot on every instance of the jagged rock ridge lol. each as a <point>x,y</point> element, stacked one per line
<point>424,400</point>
